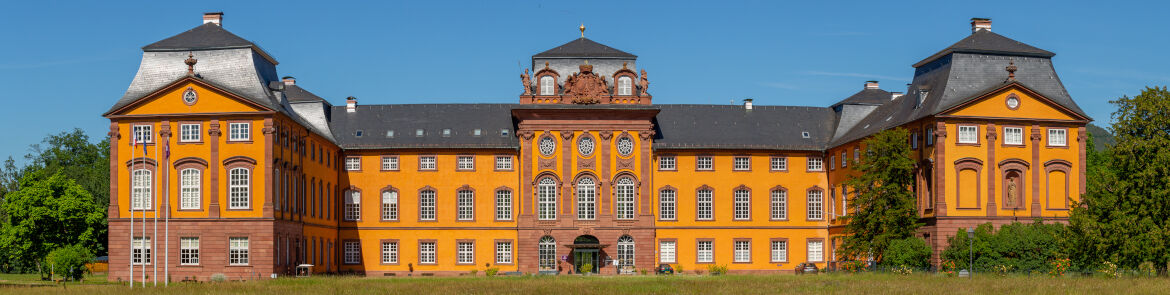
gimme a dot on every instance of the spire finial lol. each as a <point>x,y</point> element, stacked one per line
<point>1011,69</point>
<point>190,61</point>
<point>582,28</point>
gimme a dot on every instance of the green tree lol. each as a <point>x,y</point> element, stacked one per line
<point>46,213</point>
<point>69,261</point>
<point>1124,216</point>
<point>1019,246</point>
<point>883,209</point>
<point>912,252</point>
<point>72,154</point>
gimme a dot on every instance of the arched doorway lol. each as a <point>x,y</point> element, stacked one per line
<point>586,254</point>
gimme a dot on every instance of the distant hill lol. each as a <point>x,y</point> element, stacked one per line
<point>1101,136</point>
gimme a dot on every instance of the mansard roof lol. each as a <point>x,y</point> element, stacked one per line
<point>296,94</point>
<point>986,42</point>
<point>690,126</point>
<point>583,47</point>
<point>374,121</point>
<point>867,96</point>
<point>206,37</point>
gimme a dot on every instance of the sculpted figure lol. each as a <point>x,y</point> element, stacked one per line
<point>643,83</point>
<point>527,82</point>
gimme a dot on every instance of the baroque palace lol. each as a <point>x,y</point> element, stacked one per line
<point>256,175</point>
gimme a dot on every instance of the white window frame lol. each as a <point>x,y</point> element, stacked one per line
<point>239,131</point>
<point>844,159</point>
<point>426,252</point>
<point>240,188</point>
<point>389,163</point>
<point>704,251</point>
<point>844,201</point>
<point>624,196</point>
<point>353,164</point>
<point>816,199</point>
<point>705,206</point>
<point>816,164</point>
<point>742,200</point>
<point>390,205</point>
<point>1013,135</point>
<point>1057,137</point>
<point>778,163</point>
<point>427,200</point>
<point>779,251</point>
<point>779,202</point>
<point>667,163</point>
<point>668,204</point>
<point>547,254</point>
<point>547,85</point>
<point>353,205</point>
<point>832,162</point>
<point>503,162</point>
<point>503,205</point>
<point>465,162</point>
<point>465,252</point>
<point>625,85</point>
<point>189,251</point>
<point>667,251</point>
<point>427,163</point>
<point>190,186</point>
<point>742,251</point>
<point>143,183</point>
<point>929,135</point>
<point>143,133</point>
<point>742,163</point>
<point>547,199</point>
<point>238,251</point>
<point>465,205</point>
<point>140,249</point>
<point>968,134</point>
<point>190,133</point>
<point>586,199</point>
<point>704,163</point>
<point>816,251</point>
<point>389,252</point>
<point>352,252</point>
<point>503,252</point>
<point>626,254</point>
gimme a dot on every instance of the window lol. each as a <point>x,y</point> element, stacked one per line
<point>353,252</point>
<point>239,188</point>
<point>625,251</point>
<point>968,134</point>
<point>929,136</point>
<point>844,201</point>
<point>856,155</point>
<point>779,163</point>
<point>141,190</point>
<point>815,251</point>
<point>189,186</point>
<point>477,132</point>
<point>666,204</point>
<point>465,253</point>
<point>239,131</point>
<point>625,146</point>
<point>547,85</point>
<point>625,198</point>
<point>832,162</point>
<point>353,163</point>
<point>742,202</point>
<point>503,205</point>
<point>814,164</point>
<point>666,252</point>
<point>188,251</point>
<point>140,250</point>
<point>742,163</point>
<point>465,163</point>
<point>779,251</point>
<point>625,86</point>
<point>844,159</point>
<point>353,205</point>
<point>1013,135</point>
<point>389,163</point>
<point>815,199</point>
<point>704,163</point>
<point>426,205</point>
<point>585,146</point>
<point>586,198</point>
<point>704,252</point>
<point>503,132</point>
<point>779,204</point>
<point>704,199</point>
<point>666,163</point>
<point>389,133</point>
<point>503,162</point>
<point>503,252</point>
<point>547,199</point>
<point>357,133</point>
<point>389,252</point>
<point>389,205</point>
<point>1057,137</point>
<point>238,251</point>
<point>547,145</point>
<point>419,133</point>
<point>142,134</point>
<point>426,252</point>
<point>447,132</point>
<point>189,133</point>
<point>277,194</point>
<point>742,251</point>
<point>465,203</point>
<point>547,255</point>
<point>914,140</point>
<point>805,135</point>
<point>426,163</point>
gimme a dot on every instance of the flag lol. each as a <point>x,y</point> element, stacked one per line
<point>167,150</point>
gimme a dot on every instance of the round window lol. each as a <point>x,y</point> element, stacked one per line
<point>625,146</point>
<point>547,145</point>
<point>585,146</point>
<point>1013,102</point>
<point>189,96</point>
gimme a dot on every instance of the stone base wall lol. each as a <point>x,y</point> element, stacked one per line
<point>213,237</point>
<point>527,247</point>
<point>938,230</point>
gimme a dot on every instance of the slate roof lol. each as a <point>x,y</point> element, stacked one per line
<point>688,126</point>
<point>296,94</point>
<point>205,37</point>
<point>583,47</point>
<point>986,42</point>
<point>867,96</point>
<point>462,119</point>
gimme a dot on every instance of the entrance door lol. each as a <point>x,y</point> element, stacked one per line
<point>585,260</point>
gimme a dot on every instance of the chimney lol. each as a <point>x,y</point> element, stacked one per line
<point>350,104</point>
<point>289,80</point>
<point>980,24</point>
<point>213,17</point>
<point>747,103</point>
<point>895,95</point>
<point>871,85</point>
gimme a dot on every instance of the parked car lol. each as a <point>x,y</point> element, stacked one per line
<point>664,269</point>
<point>807,268</point>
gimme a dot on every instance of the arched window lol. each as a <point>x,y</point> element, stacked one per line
<point>389,205</point>
<point>779,204</point>
<point>625,85</point>
<point>141,190</point>
<point>666,204</point>
<point>189,187</point>
<point>239,188</point>
<point>625,198</point>
<point>353,205</point>
<point>426,204</point>
<point>547,255</point>
<point>815,201</point>
<point>276,185</point>
<point>547,199</point>
<point>625,248</point>
<point>742,204</point>
<point>586,198</point>
<point>547,85</point>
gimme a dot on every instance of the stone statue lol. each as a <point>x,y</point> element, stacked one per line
<point>643,83</point>
<point>1011,193</point>
<point>527,82</point>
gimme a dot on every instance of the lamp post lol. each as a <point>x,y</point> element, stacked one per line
<point>971,251</point>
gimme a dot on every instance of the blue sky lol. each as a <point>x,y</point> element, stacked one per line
<point>65,63</point>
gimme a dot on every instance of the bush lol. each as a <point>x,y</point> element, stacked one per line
<point>491,272</point>
<point>1028,247</point>
<point>853,266</point>
<point>219,277</point>
<point>1146,269</point>
<point>585,268</point>
<point>678,269</point>
<point>1109,269</point>
<point>717,269</point>
<point>912,252</point>
<point>474,272</point>
<point>69,261</point>
<point>904,270</point>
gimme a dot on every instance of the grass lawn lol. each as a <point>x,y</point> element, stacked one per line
<point>729,284</point>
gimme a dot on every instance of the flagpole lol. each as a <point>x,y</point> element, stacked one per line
<point>167,219</point>
<point>154,236</point>
<point>133,145</point>
<point>149,184</point>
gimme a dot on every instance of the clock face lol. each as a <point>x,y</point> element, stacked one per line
<point>189,96</point>
<point>1013,102</point>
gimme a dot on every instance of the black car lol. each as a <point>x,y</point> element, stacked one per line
<point>807,268</point>
<point>664,269</point>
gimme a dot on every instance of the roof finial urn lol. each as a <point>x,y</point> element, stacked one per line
<point>582,28</point>
<point>190,61</point>
<point>1011,69</point>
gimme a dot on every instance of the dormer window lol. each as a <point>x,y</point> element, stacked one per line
<point>475,132</point>
<point>805,135</point>
<point>357,133</point>
<point>389,133</point>
<point>446,132</point>
<point>547,85</point>
<point>418,132</point>
<point>503,132</point>
<point>625,85</point>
